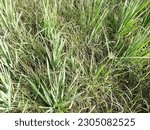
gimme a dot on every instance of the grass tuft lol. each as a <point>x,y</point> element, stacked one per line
<point>74,56</point>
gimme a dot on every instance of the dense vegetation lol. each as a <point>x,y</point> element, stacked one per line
<point>74,55</point>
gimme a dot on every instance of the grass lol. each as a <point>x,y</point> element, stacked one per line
<point>74,56</point>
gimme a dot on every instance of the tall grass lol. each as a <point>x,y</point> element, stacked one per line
<point>74,56</point>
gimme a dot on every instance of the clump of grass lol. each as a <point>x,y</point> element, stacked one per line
<point>74,56</point>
